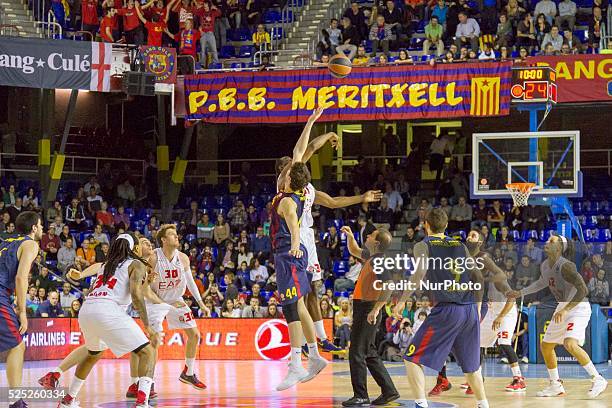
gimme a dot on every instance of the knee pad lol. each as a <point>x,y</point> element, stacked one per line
<point>291,312</point>
<point>509,352</point>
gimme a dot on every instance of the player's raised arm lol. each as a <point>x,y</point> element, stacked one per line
<point>326,200</point>
<point>27,253</point>
<point>318,142</point>
<point>353,246</point>
<point>91,270</point>
<point>302,144</point>
<point>535,287</point>
<point>287,209</point>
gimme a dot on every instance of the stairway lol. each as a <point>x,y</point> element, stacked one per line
<point>16,13</point>
<point>304,29</point>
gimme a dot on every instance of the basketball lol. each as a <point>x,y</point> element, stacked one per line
<point>340,66</point>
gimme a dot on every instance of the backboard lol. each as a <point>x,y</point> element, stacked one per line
<point>551,160</point>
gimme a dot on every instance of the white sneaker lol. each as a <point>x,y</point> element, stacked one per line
<point>294,376</point>
<point>599,385</point>
<point>504,360</point>
<point>554,389</point>
<point>525,360</point>
<point>315,366</point>
<point>69,402</point>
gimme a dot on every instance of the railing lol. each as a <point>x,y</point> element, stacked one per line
<point>335,11</point>
<point>48,29</point>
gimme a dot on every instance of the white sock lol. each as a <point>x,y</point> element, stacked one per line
<point>58,370</point>
<point>482,404</point>
<point>591,370</point>
<point>134,380</point>
<point>421,402</point>
<point>144,385</point>
<point>296,356</point>
<point>75,386</point>
<point>190,362</point>
<point>313,351</point>
<point>516,371</point>
<point>320,330</point>
<point>553,374</point>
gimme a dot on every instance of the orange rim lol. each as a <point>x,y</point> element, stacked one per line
<point>522,187</point>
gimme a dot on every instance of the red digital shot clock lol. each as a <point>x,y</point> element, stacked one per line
<point>533,84</point>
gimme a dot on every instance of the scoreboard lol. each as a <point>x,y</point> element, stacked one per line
<point>534,85</point>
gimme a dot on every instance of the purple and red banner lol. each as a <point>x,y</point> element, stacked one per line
<point>373,93</point>
<point>580,78</point>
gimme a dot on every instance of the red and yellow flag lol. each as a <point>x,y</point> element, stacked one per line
<point>485,96</point>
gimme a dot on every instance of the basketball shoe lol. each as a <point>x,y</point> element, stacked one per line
<point>442,384</point>
<point>132,392</point>
<point>329,347</point>
<point>50,380</point>
<point>294,376</point>
<point>315,366</point>
<point>554,389</point>
<point>191,380</point>
<point>68,402</point>
<point>599,385</point>
<point>517,385</point>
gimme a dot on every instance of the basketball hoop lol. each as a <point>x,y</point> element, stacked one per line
<point>520,192</point>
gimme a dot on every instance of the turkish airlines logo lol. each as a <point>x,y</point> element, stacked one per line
<point>272,340</point>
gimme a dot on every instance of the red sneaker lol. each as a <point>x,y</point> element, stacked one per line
<point>50,380</point>
<point>192,380</point>
<point>517,385</point>
<point>132,391</point>
<point>68,402</point>
<point>141,399</point>
<point>464,386</point>
<point>469,391</point>
<point>441,385</point>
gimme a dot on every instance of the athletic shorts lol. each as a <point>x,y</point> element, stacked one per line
<point>9,327</point>
<point>307,239</point>
<point>574,326</point>
<point>503,336</point>
<point>105,324</point>
<point>449,328</point>
<point>178,318</point>
<point>291,277</point>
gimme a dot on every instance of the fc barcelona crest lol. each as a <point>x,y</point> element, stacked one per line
<point>161,62</point>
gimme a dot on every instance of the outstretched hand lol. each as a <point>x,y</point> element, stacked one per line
<point>347,230</point>
<point>372,196</point>
<point>316,114</point>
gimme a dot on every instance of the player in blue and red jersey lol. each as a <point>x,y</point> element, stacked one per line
<point>454,322</point>
<point>290,263</point>
<point>16,257</point>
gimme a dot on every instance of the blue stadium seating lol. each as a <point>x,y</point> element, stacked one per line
<point>271,16</point>
<point>277,33</point>
<point>246,51</point>
<point>227,51</point>
<point>216,65</point>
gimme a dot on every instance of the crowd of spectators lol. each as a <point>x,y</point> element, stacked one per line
<point>195,28</point>
<point>230,251</point>
<point>462,30</point>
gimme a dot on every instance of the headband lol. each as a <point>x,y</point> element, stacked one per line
<point>129,239</point>
<point>564,241</point>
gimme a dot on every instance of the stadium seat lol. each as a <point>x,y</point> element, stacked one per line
<point>544,235</point>
<point>277,33</point>
<point>227,51</point>
<point>340,268</point>
<point>246,51</point>
<point>215,65</point>
<point>271,16</point>
<point>287,17</point>
<point>393,59</point>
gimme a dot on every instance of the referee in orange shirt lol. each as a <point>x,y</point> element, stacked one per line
<point>363,354</point>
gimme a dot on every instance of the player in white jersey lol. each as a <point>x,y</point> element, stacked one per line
<point>105,323</point>
<point>303,151</point>
<point>499,322</point>
<point>79,354</point>
<point>172,278</point>
<point>571,317</point>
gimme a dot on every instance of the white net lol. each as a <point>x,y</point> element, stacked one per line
<point>520,192</point>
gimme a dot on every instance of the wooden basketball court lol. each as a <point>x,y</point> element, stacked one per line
<point>252,383</point>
